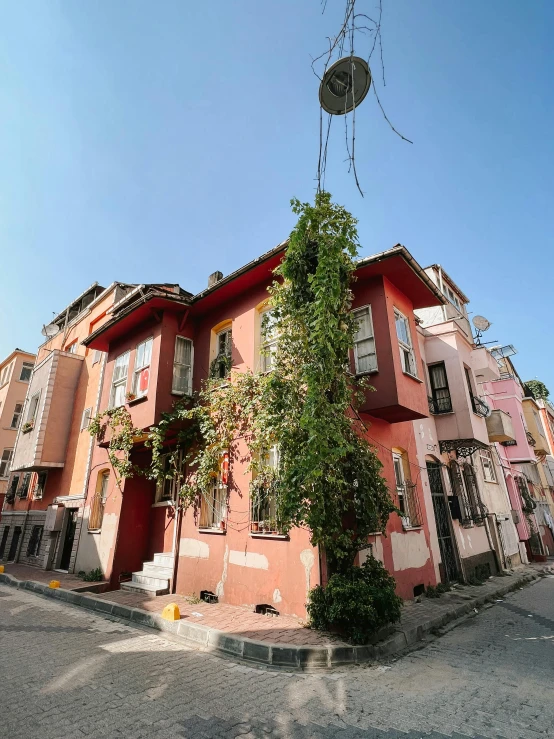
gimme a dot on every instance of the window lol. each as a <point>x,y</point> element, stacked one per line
<point>99,501</point>
<point>4,541</point>
<point>264,496</point>
<point>16,415</point>
<point>440,392</point>
<point>182,367</point>
<point>40,486</point>
<point>268,340</point>
<point>26,371</point>
<point>451,296</point>
<point>14,482</point>
<point>119,380</point>
<point>96,357</point>
<point>399,480</point>
<point>213,510</point>
<point>33,547</point>
<point>224,352</point>
<point>365,358</point>
<point>72,348</point>
<point>33,408</point>
<point>5,375</point>
<point>24,489</point>
<point>167,489</point>
<point>538,421</point>
<point>141,375</point>
<point>489,473</point>
<point>407,356</point>
<point>470,387</point>
<point>5,462</point>
<point>85,419</point>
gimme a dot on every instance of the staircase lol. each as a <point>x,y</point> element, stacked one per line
<point>154,577</point>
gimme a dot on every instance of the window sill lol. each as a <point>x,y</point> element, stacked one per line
<point>414,377</point>
<point>268,535</point>
<point>163,504</point>
<point>181,395</point>
<point>95,532</point>
<point>135,401</point>
<point>413,528</point>
<point>212,531</point>
<point>366,374</point>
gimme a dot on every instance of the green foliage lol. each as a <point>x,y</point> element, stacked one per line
<point>443,587</point>
<point>432,592</point>
<point>357,602</point>
<point>94,575</point>
<point>538,389</point>
<point>122,434</point>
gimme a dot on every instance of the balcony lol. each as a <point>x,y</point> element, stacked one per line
<point>484,365</point>
<point>47,415</point>
<point>531,439</point>
<point>500,428</point>
<point>479,407</point>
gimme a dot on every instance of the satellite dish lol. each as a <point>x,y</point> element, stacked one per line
<point>481,323</point>
<point>344,85</point>
<point>50,330</point>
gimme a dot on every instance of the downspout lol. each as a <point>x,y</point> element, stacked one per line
<point>91,445</point>
<point>441,285</point>
<point>175,547</point>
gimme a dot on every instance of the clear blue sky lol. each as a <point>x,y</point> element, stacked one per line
<point>151,141</point>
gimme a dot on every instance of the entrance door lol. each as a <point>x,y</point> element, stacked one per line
<point>4,541</point>
<point>14,544</point>
<point>443,521</point>
<point>68,539</point>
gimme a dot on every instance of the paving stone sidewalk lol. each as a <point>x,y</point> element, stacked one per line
<point>284,642</point>
<point>36,574</point>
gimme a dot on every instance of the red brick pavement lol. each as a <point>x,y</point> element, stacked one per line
<point>232,619</point>
<point>26,572</point>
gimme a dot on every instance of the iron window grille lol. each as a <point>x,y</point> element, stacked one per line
<point>464,484</point>
<point>24,489</point>
<point>530,438</point>
<point>440,400</point>
<point>41,484</point>
<point>33,548</point>
<point>410,506</point>
<point>479,406</point>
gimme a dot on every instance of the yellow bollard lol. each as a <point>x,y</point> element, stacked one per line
<point>54,584</point>
<point>1,569</point>
<point>171,612</point>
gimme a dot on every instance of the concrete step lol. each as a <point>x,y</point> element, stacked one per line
<point>145,588</point>
<point>144,578</point>
<point>151,568</point>
<point>165,559</point>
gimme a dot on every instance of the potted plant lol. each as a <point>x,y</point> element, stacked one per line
<point>254,526</point>
<point>130,397</point>
<point>272,526</point>
<point>28,426</point>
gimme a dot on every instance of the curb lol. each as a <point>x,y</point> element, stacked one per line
<point>279,656</point>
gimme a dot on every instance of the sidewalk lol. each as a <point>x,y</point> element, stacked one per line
<point>283,641</point>
<point>68,582</point>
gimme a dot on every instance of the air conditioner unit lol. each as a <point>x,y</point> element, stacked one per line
<point>54,518</point>
<point>515,517</point>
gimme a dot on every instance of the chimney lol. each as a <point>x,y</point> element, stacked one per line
<point>214,278</point>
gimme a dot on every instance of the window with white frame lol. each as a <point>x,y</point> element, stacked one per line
<point>213,509</point>
<point>489,473</point>
<point>85,419</point>
<point>6,373</point>
<point>40,486</point>
<point>141,374</point>
<point>119,380</point>
<point>224,353</point>
<point>26,371</point>
<point>167,488</point>
<point>399,480</point>
<point>268,340</point>
<point>33,408</point>
<point>96,357</point>
<point>16,415</point>
<point>182,366</point>
<point>264,496</point>
<point>72,348</point>
<point>5,462</point>
<point>365,358</point>
<point>407,355</point>
<point>451,295</point>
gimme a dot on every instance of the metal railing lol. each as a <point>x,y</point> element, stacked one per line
<point>530,438</point>
<point>440,405</point>
<point>479,406</point>
<point>409,505</point>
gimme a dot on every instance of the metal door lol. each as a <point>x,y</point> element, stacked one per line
<point>69,539</point>
<point>443,521</point>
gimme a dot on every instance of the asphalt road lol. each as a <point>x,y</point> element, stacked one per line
<point>67,673</point>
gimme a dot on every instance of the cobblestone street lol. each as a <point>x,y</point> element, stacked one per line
<point>69,673</point>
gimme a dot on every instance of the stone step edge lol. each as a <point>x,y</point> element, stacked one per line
<point>281,656</point>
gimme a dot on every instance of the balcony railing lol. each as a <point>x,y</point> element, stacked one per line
<point>409,505</point>
<point>10,498</point>
<point>530,438</point>
<point>479,407</point>
<point>440,405</point>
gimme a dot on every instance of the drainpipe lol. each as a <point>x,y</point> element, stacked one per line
<point>175,548</point>
<point>441,285</point>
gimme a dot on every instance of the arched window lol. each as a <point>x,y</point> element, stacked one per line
<point>99,500</point>
<point>406,490</point>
